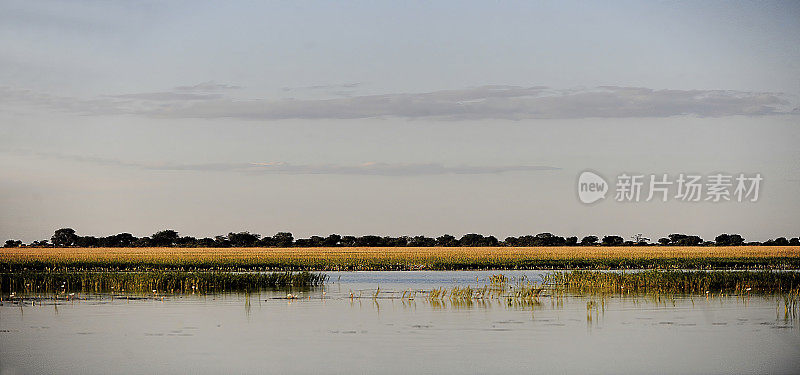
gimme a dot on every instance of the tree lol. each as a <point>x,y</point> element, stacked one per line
<point>243,239</point>
<point>64,237</point>
<point>729,240</point>
<point>477,240</point>
<point>446,240</point>
<point>613,241</point>
<point>221,241</point>
<point>313,241</point>
<point>42,243</point>
<point>526,240</point>
<point>395,241</point>
<point>677,239</point>
<point>547,239</point>
<point>266,241</point>
<point>186,241</point>
<point>370,241</point>
<point>639,239</point>
<point>67,237</point>
<point>421,241</point>
<point>87,241</point>
<point>348,241</point>
<point>205,242</point>
<point>13,243</point>
<point>332,240</point>
<point>283,239</point>
<point>118,240</point>
<point>143,242</point>
<point>164,238</point>
<point>302,242</point>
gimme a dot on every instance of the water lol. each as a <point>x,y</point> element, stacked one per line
<point>236,333</point>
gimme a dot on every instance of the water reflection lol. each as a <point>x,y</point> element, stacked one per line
<point>374,322</point>
<point>523,298</point>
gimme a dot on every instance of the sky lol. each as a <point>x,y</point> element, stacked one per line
<point>393,118</point>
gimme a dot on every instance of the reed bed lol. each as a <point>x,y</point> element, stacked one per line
<point>643,283</point>
<point>674,282</point>
<point>30,282</point>
<point>522,293</point>
<point>401,258</point>
<point>657,286</point>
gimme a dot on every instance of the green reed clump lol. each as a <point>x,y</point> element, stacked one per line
<point>498,280</point>
<point>436,294</point>
<point>666,282</point>
<point>462,293</point>
<point>147,282</point>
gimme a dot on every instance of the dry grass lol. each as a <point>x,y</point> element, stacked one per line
<point>332,258</point>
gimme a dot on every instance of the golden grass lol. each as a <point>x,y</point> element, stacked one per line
<point>385,257</point>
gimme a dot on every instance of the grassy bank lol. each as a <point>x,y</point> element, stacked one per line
<point>152,282</point>
<point>402,258</point>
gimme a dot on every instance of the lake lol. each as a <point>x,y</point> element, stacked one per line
<point>324,330</point>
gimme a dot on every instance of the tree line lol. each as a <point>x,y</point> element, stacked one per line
<point>67,237</point>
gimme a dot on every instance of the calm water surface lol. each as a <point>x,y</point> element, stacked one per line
<point>237,333</point>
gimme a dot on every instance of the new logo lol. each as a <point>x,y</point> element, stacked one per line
<point>591,187</point>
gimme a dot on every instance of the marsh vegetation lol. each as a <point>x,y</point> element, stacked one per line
<point>62,282</point>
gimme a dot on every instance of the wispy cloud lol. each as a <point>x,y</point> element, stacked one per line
<point>392,169</point>
<point>370,168</point>
<point>11,97</point>
<point>486,102</point>
<point>168,96</point>
<point>337,86</point>
<point>202,91</point>
<point>496,102</point>
<point>207,87</point>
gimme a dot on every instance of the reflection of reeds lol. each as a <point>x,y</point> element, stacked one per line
<point>791,304</point>
<point>155,281</point>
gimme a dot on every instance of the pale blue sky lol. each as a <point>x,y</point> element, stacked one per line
<point>391,118</point>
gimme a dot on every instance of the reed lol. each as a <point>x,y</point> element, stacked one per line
<point>152,282</point>
<point>672,282</point>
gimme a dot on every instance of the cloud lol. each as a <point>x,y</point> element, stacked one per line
<point>201,91</point>
<point>325,87</point>
<point>477,103</point>
<point>392,169</point>
<point>495,102</point>
<point>370,168</point>
<point>346,90</point>
<point>168,96</point>
<point>12,98</point>
<point>207,87</point>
